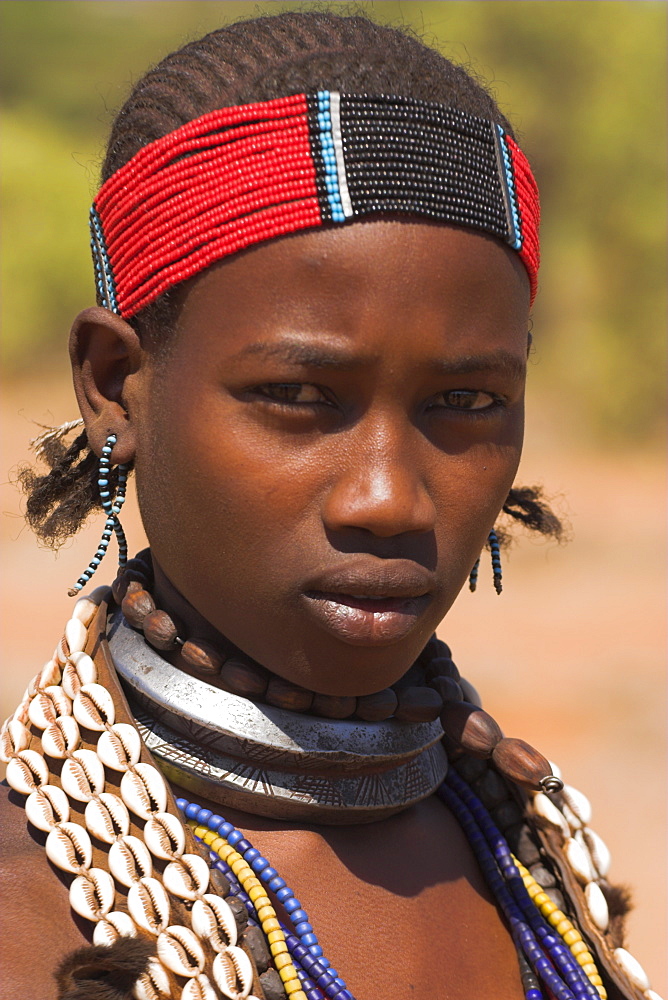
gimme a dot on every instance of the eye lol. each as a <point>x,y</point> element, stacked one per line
<point>468,399</point>
<point>292,393</point>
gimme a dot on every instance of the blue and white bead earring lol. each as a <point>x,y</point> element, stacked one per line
<point>493,542</point>
<point>112,506</point>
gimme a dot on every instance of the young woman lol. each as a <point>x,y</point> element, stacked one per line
<point>316,249</point>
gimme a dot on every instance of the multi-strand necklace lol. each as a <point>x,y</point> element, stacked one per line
<point>67,704</point>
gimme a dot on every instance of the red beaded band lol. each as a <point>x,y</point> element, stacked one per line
<point>241,175</point>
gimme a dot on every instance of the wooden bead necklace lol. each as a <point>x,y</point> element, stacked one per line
<point>432,689</point>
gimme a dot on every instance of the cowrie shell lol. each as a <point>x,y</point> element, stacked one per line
<point>114,926</point>
<point>93,707</point>
<point>85,667</point>
<point>578,861</point>
<point>547,810</point>
<point>14,736</point>
<point>76,635</point>
<point>26,771</point>
<point>46,807</point>
<point>213,921</point>
<point>92,895</point>
<point>60,652</point>
<point>577,803</point>
<point>21,713</point>
<point>599,851</point>
<point>47,705</point>
<point>574,822</point>
<point>153,984</point>
<point>597,906</point>
<point>82,775</point>
<point>199,988</point>
<point>78,669</point>
<point>143,790</point>
<point>164,836</point>
<point>50,675</point>
<point>68,847</point>
<point>180,951</point>
<point>188,877</point>
<point>33,686</point>
<point>61,737</point>
<point>107,817</point>
<point>148,905</point>
<point>231,967</point>
<point>129,860</point>
<point>119,747</point>
<point>84,610</point>
<point>632,967</point>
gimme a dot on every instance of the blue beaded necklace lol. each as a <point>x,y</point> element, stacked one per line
<point>546,963</point>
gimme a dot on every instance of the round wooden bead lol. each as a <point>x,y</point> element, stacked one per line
<point>246,679</point>
<point>333,707</point>
<point>418,704</point>
<point>283,694</point>
<point>521,763</point>
<point>441,666</point>
<point>448,688</point>
<point>136,605</point>
<point>160,630</point>
<point>470,728</point>
<point>202,656</point>
<point>377,707</point>
<point>121,585</point>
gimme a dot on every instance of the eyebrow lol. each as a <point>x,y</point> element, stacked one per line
<point>314,356</point>
<point>309,355</point>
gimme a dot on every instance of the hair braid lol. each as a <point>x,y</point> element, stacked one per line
<point>59,502</point>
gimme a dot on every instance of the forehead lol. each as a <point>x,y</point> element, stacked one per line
<point>365,283</point>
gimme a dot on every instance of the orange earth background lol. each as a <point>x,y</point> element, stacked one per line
<point>572,656</point>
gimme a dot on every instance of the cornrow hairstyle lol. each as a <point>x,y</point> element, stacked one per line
<point>251,61</point>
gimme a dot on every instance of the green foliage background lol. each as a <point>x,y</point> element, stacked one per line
<point>583,81</point>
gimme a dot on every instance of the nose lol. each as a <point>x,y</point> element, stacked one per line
<point>381,488</point>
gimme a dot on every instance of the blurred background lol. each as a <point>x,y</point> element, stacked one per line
<point>572,656</point>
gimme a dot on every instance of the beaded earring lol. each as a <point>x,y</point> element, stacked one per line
<point>112,506</point>
<point>494,548</point>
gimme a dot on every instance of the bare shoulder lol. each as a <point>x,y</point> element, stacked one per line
<point>37,926</point>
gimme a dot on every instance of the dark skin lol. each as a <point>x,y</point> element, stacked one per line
<point>319,460</point>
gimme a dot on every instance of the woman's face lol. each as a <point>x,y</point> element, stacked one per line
<point>326,448</point>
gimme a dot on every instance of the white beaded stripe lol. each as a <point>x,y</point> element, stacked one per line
<point>49,706</point>
<point>335,115</point>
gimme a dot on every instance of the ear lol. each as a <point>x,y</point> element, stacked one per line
<point>107,364</point>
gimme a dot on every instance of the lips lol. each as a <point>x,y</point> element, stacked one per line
<point>370,603</point>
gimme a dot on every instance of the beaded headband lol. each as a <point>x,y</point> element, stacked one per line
<point>242,175</point>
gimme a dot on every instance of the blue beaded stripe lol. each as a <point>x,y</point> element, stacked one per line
<point>112,507</point>
<point>542,955</point>
<point>507,174</point>
<point>305,947</point>
<point>104,277</point>
<point>328,154</point>
<point>473,575</point>
<point>495,551</point>
<point>545,951</point>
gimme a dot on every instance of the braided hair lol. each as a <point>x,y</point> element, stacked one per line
<point>242,63</point>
